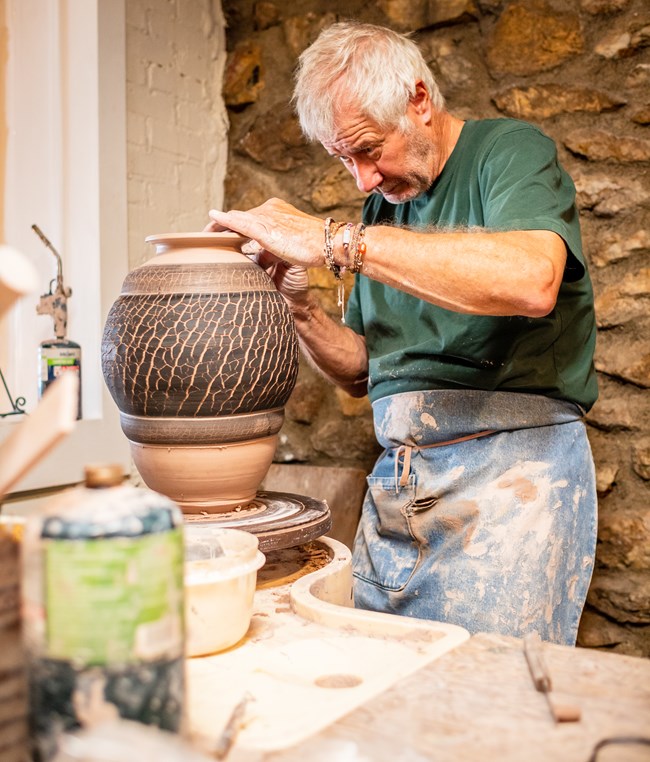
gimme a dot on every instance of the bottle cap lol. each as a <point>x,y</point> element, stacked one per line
<point>100,475</point>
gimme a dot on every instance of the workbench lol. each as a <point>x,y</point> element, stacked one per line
<point>317,680</point>
<point>476,703</point>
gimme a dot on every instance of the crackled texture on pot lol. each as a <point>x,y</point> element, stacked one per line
<point>206,347</point>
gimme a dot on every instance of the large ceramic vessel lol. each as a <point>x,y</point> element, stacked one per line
<point>200,355</point>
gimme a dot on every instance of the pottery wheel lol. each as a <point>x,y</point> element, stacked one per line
<point>277,519</point>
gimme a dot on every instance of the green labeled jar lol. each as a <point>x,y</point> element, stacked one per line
<point>103,609</point>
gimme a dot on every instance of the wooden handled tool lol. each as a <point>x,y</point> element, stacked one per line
<point>542,680</point>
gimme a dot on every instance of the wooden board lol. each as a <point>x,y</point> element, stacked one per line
<point>17,277</point>
<point>34,437</point>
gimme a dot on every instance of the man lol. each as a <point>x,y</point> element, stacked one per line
<point>471,328</point>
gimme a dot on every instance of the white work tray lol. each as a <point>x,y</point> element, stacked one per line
<point>307,659</point>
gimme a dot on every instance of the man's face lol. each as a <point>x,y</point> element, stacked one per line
<point>399,165</point>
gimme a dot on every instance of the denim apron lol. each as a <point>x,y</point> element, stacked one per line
<point>480,512</point>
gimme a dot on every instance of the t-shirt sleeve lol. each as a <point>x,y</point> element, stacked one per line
<point>524,188</point>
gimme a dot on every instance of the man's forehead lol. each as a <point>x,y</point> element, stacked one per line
<point>354,133</point>
<point>341,147</point>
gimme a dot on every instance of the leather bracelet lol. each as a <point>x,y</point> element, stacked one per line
<point>358,248</point>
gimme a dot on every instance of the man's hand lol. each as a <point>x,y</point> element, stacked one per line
<point>278,228</point>
<point>291,281</point>
<point>285,242</point>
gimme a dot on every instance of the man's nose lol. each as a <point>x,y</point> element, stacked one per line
<point>367,176</point>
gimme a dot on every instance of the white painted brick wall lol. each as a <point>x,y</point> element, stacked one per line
<point>177,127</point>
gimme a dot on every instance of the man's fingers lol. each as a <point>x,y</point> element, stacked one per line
<point>215,225</point>
<point>266,259</point>
<point>252,248</point>
<point>223,220</point>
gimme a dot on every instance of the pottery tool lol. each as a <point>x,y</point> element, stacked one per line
<point>229,734</point>
<point>542,680</point>
<point>60,354</point>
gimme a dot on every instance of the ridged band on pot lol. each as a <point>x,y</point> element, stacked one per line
<point>200,431</point>
<point>194,341</point>
<point>197,279</point>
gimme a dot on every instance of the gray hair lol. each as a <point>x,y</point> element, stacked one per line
<point>374,67</point>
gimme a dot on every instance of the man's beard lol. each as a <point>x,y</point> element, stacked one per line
<point>416,178</point>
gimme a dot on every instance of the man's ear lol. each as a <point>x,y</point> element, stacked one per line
<point>420,102</point>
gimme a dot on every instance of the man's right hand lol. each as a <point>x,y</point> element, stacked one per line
<point>291,281</point>
<point>334,349</point>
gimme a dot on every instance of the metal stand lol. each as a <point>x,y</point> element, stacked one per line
<point>17,404</point>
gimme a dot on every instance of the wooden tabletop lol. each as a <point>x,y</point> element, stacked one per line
<point>478,703</point>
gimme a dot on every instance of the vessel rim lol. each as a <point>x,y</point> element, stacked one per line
<point>227,237</point>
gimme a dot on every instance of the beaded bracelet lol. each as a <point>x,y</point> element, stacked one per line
<point>347,237</point>
<point>354,247</point>
<point>331,229</point>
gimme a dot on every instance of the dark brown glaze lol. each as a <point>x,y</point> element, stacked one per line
<point>192,341</point>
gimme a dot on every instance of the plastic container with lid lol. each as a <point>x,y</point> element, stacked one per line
<point>220,575</point>
<point>103,608</point>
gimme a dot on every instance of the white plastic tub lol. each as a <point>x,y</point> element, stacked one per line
<point>220,576</point>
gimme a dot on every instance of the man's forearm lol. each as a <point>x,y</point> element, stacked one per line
<point>479,272</point>
<point>336,351</point>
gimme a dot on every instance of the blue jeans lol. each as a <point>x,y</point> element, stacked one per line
<point>495,533</point>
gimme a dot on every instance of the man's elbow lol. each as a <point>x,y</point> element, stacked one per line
<point>358,390</point>
<point>353,386</point>
<point>541,298</point>
<point>542,306</point>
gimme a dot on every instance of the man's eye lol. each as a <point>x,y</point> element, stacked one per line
<point>345,159</point>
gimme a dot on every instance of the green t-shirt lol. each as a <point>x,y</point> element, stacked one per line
<point>502,175</point>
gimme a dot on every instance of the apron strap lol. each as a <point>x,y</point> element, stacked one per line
<point>403,455</point>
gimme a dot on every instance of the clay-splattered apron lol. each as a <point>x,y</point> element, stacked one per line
<point>495,532</point>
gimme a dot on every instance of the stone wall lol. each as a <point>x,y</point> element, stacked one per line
<point>580,70</point>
